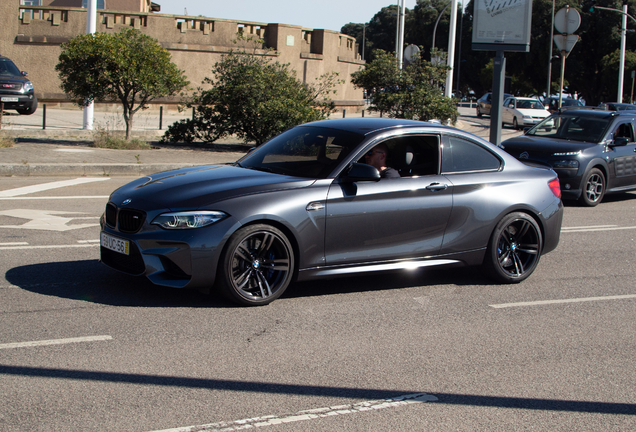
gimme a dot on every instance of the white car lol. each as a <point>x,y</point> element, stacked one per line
<point>522,111</point>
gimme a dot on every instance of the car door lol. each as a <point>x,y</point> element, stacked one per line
<point>391,219</point>
<point>623,158</point>
<point>507,113</point>
<point>472,169</point>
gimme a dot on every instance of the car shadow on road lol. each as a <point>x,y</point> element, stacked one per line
<point>91,281</point>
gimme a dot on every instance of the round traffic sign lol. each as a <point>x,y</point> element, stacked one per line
<point>567,20</point>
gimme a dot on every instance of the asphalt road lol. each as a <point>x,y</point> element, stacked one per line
<point>84,348</point>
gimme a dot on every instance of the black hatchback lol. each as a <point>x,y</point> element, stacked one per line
<point>592,151</point>
<point>16,91</point>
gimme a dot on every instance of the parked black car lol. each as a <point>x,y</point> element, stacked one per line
<point>16,91</point>
<point>592,151</point>
<point>552,103</point>
<point>484,103</point>
<point>616,106</point>
<point>305,205</point>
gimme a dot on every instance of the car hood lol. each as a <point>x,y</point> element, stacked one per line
<point>540,149</point>
<point>533,112</point>
<point>527,142</point>
<point>198,187</point>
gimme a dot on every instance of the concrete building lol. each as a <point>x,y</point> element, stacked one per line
<point>32,32</point>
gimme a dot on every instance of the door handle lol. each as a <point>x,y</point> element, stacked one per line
<point>436,187</point>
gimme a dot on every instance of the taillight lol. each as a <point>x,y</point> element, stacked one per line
<point>555,187</point>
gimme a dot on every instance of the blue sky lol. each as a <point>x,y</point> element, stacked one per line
<point>321,14</point>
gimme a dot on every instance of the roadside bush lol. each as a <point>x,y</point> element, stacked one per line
<point>253,99</point>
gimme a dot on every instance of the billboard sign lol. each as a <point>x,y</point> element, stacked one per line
<point>502,25</point>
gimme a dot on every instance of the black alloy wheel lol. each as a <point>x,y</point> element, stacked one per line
<point>258,265</point>
<point>514,249</point>
<point>593,188</point>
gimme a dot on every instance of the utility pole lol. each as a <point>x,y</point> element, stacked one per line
<point>91,27</point>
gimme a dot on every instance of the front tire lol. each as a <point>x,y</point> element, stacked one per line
<point>515,125</point>
<point>257,265</point>
<point>514,249</point>
<point>29,110</point>
<point>593,188</point>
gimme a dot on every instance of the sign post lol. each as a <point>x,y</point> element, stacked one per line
<point>501,25</point>
<point>566,21</point>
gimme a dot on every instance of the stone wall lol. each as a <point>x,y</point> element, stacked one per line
<point>31,37</point>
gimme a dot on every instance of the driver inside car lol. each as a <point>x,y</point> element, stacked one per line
<point>376,157</point>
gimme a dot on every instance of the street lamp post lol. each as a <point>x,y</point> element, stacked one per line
<point>437,22</point>
<point>621,68</point>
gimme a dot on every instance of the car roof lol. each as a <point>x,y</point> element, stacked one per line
<point>365,126</point>
<point>596,113</point>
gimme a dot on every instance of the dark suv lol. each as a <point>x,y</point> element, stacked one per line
<point>16,91</point>
<point>592,151</point>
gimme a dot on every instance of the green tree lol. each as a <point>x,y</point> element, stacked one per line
<point>127,66</point>
<point>414,92</point>
<point>253,98</point>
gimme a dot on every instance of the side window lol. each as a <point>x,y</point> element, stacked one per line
<point>413,155</point>
<point>625,130</point>
<point>461,155</point>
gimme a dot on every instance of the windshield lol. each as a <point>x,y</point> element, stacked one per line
<point>573,128</point>
<point>304,151</point>
<point>7,68</point>
<point>529,104</point>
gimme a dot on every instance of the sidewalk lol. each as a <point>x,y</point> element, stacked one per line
<point>62,149</point>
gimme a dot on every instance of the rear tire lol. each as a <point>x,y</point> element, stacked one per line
<point>514,249</point>
<point>257,265</point>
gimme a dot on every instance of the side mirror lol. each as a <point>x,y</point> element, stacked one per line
<point>361,172</point>
<point>24,73</point>
<point>619,142</point>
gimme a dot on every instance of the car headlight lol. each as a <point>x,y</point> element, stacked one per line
<point>188,219</point>
<point>565,164</point>
<point>27,86</point>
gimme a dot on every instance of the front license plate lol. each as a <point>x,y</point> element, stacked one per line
<point>115,244</point>
<point>9,99</point>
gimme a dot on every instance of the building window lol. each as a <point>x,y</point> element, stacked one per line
<point>100,4</point>
<point>37,15</point>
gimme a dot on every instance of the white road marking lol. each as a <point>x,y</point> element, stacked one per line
<point>48,186</point>
<point>587,227</point>
<point>49,246</point>
<point>573,300</point>
<point>54,342</point>
<point>88,241</point>
<point>74,150</point>
<point>311,414</point>
<point>45,220</point>
<point>14,244</point>
<point>596,228</point>
<point>54,198</point>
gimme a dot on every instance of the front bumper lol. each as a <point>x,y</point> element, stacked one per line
<point>172,258</point>
<point>17,101</point>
